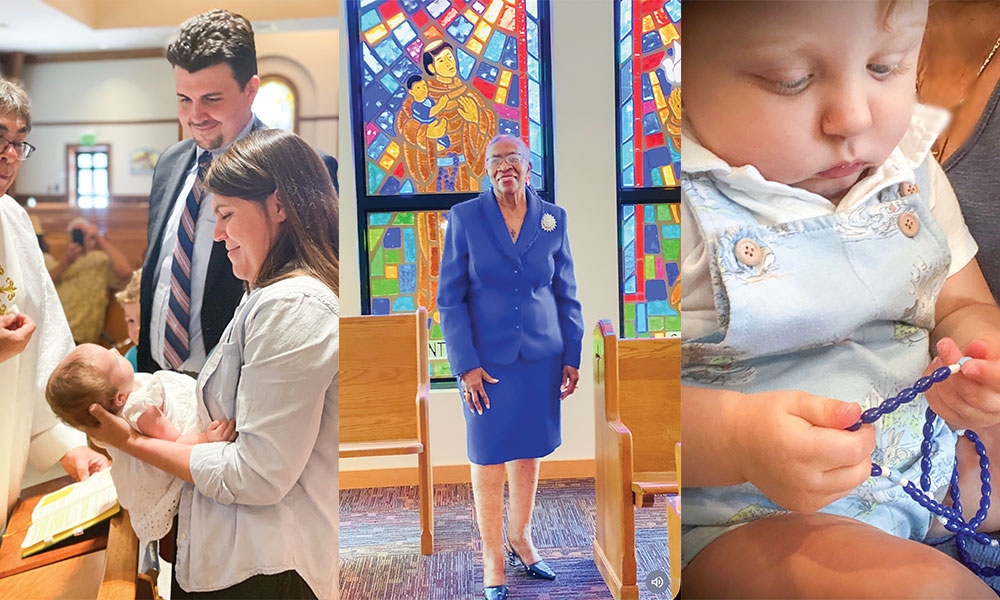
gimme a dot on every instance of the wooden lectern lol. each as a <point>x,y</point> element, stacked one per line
<point>101,563</point>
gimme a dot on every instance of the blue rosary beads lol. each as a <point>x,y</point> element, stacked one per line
<point>949,516</point>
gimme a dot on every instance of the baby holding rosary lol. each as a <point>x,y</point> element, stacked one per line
<point>824,258</point>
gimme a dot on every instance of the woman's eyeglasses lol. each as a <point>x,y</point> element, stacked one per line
<point>510,159</point>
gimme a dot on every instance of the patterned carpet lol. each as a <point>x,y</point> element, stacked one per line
<point>380,545</point>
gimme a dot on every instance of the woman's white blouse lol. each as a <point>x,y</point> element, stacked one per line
<point>267,502</point>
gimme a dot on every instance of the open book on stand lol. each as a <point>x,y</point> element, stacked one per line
<point>68,511</point>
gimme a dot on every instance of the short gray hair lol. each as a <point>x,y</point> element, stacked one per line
<point>14,101</point>
<point>506,137</point>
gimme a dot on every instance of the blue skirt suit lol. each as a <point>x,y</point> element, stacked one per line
<point>511,309</point>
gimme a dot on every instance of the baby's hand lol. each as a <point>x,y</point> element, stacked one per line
<point>796,450</point>
<point>970,398</point>
<point>223,430</point>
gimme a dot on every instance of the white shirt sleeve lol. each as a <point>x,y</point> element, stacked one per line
<point>948,214</point>
<point>698,313</point>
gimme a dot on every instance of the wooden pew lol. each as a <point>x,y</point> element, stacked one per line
<point>384,390</point>
<point>637,411</point>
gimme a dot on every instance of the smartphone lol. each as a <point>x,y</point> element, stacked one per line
<point>78,236</point>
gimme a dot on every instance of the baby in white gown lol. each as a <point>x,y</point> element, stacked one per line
<point>162,405</point>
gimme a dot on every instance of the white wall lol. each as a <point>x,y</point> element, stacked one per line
<point>309,60</point>
<point>96,91</point>
<point>584,112</point>
<point>87,93</point>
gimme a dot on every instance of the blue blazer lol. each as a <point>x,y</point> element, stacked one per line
<point>499,299</point>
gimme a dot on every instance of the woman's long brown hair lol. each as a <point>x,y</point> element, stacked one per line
<point>272,160</point>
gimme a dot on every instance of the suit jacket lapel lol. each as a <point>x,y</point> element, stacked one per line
<point>532,223</point>
<point>496,223</point>
<point>178,174</point>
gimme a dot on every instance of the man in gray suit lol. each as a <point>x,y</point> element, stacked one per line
<point>189,293</point>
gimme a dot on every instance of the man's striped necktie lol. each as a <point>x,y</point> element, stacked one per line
<point>177,348</point>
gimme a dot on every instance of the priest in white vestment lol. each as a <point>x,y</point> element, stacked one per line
<point>33,341</point>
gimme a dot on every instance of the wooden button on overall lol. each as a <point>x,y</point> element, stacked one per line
<point>908,223</point>
<point>907,189</point>
<point>748,252</point>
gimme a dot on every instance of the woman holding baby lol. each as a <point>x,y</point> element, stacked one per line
<point>258,517</point>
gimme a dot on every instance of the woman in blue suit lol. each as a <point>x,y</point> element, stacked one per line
<point>514,331</point>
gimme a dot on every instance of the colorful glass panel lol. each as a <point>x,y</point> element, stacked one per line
<point>404,255</point>
<point>651,288</point>
<point>440,78</point>
<point>275,104</point>
<point>649,103</point>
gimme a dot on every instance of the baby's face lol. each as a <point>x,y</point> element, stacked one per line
<point>132,320</point>
<point>419,90</point>
<point>810,93</point>
<point>111,364</point>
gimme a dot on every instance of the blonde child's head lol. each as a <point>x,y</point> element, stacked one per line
<point>811,94</point>
<point>129,300</point>
<point>87,375</point>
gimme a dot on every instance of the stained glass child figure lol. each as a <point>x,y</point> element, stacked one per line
<point>424,109</point>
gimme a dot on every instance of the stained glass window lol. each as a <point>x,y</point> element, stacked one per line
<point>440,78</point>
<point>651,292</point>
<point>435,80</point>
<point>275,103</point>
<point>649,128</point>
<point>404,254</point>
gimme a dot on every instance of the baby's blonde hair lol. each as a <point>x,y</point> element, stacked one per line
<point>130,294</point>
<point>73,386</point>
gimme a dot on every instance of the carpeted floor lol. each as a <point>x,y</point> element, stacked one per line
<point>380,545</point>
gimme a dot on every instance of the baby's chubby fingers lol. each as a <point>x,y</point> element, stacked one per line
<point>978,367</point>
<point>229,430</point>
<point>970,397</point>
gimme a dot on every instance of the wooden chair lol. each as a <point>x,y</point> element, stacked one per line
<point>384,389</point>
<point>637,410</point>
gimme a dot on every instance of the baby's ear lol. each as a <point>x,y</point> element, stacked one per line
<point>119,400</point>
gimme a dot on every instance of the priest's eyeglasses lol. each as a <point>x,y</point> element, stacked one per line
<point>22,149</point>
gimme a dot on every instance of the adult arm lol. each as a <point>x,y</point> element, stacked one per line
<point>52,440</point>
<point>568,307</point>
<point>72,253</point>
<point>454,286</point>
<point>290,360</point>
<point>113,430</point>
<point>120,264</point>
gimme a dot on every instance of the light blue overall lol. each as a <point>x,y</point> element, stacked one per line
<point>838,306</point>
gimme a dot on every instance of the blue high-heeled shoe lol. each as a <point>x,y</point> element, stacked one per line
<point>495,592</point>
<point>538,570</point>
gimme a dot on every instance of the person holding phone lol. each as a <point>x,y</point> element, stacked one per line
<point>90,266</point>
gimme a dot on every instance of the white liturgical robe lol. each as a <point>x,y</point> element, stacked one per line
<point>28,429</point>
